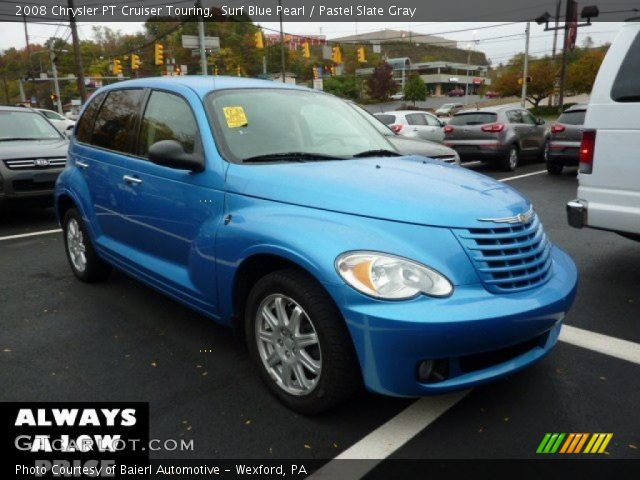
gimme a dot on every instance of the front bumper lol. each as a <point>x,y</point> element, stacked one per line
<point>479,151</point>
<point>465,330</point>
<point>25,185</point>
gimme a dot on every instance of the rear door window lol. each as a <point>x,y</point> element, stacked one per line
<point>115,123</point>
<point>432,121</point>
<point>528,118</point>
<point>626,87</point>
<point>85,124</point>
<point>168,117</point>
<point>515,116</point>
<point>416,119</point>
<point>477,118</point>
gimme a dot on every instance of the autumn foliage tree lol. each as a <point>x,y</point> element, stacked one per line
<point>582,73</point>
<point>542,72</point>
<point>381,83</point>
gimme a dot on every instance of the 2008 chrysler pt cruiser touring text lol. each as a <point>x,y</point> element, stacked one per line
<point>283,212</point>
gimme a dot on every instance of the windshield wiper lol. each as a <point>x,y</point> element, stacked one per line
<point>290,157</point>
<point>377,153</point>
<point>18,139</point>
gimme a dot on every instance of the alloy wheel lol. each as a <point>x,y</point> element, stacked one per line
<point>288,344</point>
<point>75,246</point>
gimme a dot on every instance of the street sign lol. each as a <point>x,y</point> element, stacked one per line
<point>318,84</point>
<point>43,76</point>
<point>326,52</point>
<point>192,41</point>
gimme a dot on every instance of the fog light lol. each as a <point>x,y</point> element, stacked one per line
<point>425,369</point>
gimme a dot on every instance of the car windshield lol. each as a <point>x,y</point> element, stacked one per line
<point>476,118</point>
<point>16,125</point>
<point>375,120</point>
<point>447,106</point>
<point>575,117</point>
<point>386,119</point>
<point>289,125</point>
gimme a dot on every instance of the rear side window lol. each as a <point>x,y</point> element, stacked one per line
<point>626,87</point>
<point>386,119</point>
<point>416,119</point>
<point>85,124</point>
<point>478,118</point>
<point>116,120</point>
<point>168,117</point>
<point>515,116</point>
<point>572,118</point>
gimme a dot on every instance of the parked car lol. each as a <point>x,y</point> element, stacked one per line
<point>63,124</point>
<point>492,94</point>
<point>397,96</point>
<point>456,92</point>
<point>414,124</point>
<point>32,155</point>
<point>497,134</point>
<point>563,147</point>
<point>609,168</point>
<point>340,261</point>
<point>448,109</point>
<point>410,146</point>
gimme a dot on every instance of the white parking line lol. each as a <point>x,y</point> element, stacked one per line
<point>508,179</point>
<point>612,346</point>
<point>32,234</point>
<point>388,438</point>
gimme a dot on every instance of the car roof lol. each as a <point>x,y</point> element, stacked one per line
<point>405,112</point>
<point>13,108</point>
<point>202,84</point>
<point>576,108</point>
<point>496,109</point>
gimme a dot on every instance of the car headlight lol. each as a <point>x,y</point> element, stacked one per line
<point>386,276</point>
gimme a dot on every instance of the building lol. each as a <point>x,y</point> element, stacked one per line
<point>440,77</point>
<point>400,36</point>
<point>294,42</point>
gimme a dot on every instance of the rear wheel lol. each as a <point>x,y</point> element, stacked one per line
<point>300,342</point>
<point>510,161</point>
<point>554,168</point>
<point>85,263</point>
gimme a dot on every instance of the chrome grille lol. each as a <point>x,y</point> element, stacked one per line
<point>29,163</point>
<point>509,258</point>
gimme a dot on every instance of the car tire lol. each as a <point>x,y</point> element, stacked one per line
<point>278,352</point>
<point>510,161</point>
<point>554,168</point>
<point>85,263</point>
<point>544,154</point>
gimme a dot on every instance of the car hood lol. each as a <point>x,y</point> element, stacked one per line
<point>34,148</point>
<point>410,146</point>
<point>402,189</point>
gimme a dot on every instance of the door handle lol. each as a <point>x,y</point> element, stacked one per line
<point>82,164</point>
<point>131,180</point>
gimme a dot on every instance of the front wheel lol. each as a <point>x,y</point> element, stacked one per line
<point>300,342</point>
<point>510,162</point>
<point>84,262</point>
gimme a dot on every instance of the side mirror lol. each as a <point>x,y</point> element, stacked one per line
<point>540,121</point>
<point>170,153</point>
<point>69,133</point>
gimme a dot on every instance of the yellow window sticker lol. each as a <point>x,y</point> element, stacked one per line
<point>235,117</point>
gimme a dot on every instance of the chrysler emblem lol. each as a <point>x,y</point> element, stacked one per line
<point>520,218</point>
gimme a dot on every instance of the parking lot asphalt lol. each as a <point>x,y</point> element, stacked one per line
<point>121,341</point>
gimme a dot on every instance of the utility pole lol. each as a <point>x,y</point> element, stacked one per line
<point>54,71</point>
<point>76,52</point>
<point>553,52</point>
<point>563,70</point>
<point>466,86</point>
<point>203,52</point>
<point>29,63</point>
<point>525,71</point>
<point>6,89</point>
<point>282,62</point>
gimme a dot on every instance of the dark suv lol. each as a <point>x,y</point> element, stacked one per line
<point>502,134</point>
<point>32,155</point>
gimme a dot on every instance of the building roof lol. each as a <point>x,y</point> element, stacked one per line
<point>388,35</point>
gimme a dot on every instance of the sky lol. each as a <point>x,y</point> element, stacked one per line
<point>497,40</point>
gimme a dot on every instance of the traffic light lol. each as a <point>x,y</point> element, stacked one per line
<point>215,70</point>
<point>159,54</point>
<point>361,56</point>
<point>54,97</point>
<point>135,62</point>
<point>333,70</point>
<point>316,73</point>
<point>117,67</point>
<point>520,80</point>
<point>306,50</point>
<point>336,54</point>
<point>259,39</point>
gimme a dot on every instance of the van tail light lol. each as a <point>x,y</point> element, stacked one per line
<point>396,128</point>
<point>587,148</point>
<point>557,128</point>
<point>493,127</point>
<point>448,129</point>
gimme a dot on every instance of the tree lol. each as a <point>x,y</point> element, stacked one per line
<point>582,73</point>
<point>345,86</point>
<point>381,83</point>
<point>542,72</point>
<point>415,90</point>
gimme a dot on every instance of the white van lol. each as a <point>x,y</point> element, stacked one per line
<point>609,178</point>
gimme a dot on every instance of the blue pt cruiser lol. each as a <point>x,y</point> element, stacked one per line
<point>281,211</point>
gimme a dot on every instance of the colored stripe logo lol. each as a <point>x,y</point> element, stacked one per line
<point>573,443</point>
